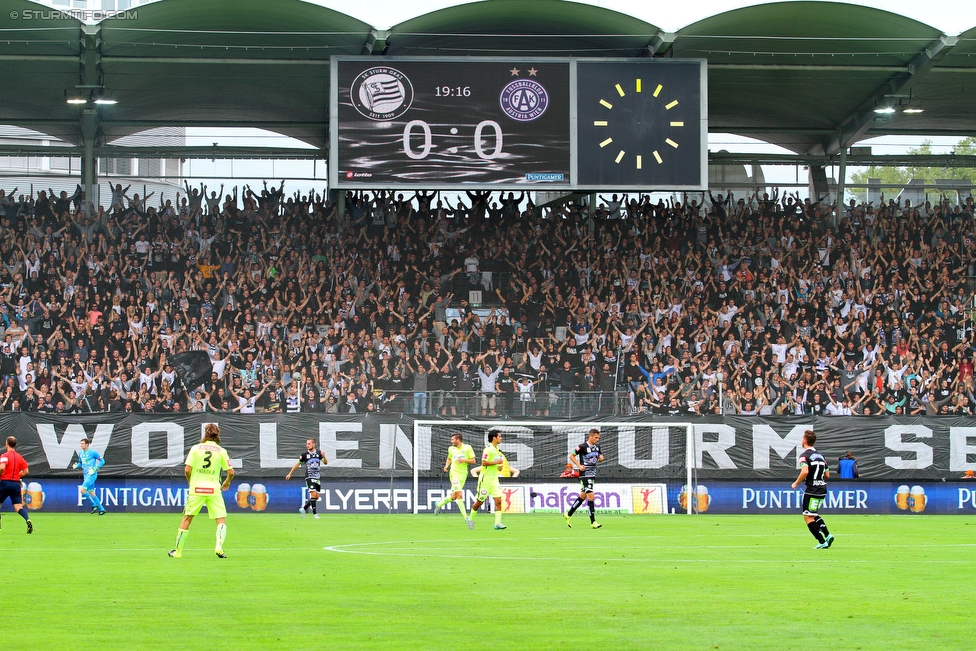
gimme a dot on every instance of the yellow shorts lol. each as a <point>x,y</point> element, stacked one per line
<point>488,489</point>
<point>212,498</point>
<point>457,483</point>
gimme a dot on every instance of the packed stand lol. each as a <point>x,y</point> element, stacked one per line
<point>711,304</point>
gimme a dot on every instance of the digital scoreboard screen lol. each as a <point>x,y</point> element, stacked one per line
<point>512,123</point>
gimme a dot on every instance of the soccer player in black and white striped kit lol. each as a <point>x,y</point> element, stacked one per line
<point>313,459</point>
<point>814,474</point>
<point>589,454</point>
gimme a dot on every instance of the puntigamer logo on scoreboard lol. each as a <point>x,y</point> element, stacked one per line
<point>381,93</point>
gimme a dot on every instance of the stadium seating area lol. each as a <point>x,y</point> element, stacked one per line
<point>747,305</point>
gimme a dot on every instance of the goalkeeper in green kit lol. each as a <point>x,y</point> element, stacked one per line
<point>459,457</point>
<point>492,461</point>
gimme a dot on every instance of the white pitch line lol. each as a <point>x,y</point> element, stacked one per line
<point>152,549</point>
<point>656,561</point>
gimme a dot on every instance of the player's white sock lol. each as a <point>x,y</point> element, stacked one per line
<point>221,534</point>
<point>460,504</point>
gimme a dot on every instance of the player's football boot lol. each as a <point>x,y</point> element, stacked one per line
<point>470,523</point>
<point>595,525</point>
<point>500,526</point>
<point>437,510</point>
<point>94,510</point>
<point>175,553</point>
<point>102,512</point>
<point>316,516</point>
<point>220,553</point>
<point>569,520</point>
<point>823,545</point>
<point>830,540</point>
<point>302,511</point>
<point>30,527</point>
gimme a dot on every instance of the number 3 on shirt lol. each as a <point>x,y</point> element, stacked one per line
<point>206,459</point>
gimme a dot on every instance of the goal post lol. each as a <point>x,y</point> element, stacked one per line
<point>643,457</point>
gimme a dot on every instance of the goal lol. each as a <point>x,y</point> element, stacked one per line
<point>648,464</point>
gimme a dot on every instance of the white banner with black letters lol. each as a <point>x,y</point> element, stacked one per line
<point>380,445</point>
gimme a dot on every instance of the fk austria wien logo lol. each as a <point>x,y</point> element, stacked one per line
<point>381,93</point>
<point>524,100</point>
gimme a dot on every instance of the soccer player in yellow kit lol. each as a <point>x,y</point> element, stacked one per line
<point>459,457</point>
<point>492,461</point>
<point>204,464</point>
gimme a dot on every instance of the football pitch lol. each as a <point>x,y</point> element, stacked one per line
<point>424,582</point>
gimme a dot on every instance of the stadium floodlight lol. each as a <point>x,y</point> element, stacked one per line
<point>885,110</point>
<point>912,111</point>
<point>106,100</point>
<point>77,100</point>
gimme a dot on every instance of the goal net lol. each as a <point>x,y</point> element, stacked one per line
<point>645,470</point>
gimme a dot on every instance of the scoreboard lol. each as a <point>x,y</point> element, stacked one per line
<point>518,123</point>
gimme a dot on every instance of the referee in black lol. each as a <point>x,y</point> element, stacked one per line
<point>814,474</point>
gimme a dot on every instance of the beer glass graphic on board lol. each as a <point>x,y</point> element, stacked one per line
<point>243,495</point>
<point>259,497</point>
<point>917,499</point>
<point>34,496</point>
<point>902,497</point>
<point>703,498</point>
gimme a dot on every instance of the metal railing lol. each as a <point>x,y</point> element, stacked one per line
<point>474,404</point>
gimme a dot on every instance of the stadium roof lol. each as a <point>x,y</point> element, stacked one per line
<point>804,75</point>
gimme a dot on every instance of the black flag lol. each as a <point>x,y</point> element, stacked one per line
<point>192,368</point>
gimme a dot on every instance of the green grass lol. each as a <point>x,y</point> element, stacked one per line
<point>419,582</point>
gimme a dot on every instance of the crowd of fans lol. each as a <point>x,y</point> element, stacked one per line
<point>752,304</point>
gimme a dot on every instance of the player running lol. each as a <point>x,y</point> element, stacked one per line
<point>492,460</point>
<point>204,463</point>
<point>12,469</point>
<point>814,473</point>
<point>459,457</point>
<point>588,455</point>
<point>313,460</point>
<point>90,461</point>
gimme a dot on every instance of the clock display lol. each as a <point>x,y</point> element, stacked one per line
<point>640,124</point>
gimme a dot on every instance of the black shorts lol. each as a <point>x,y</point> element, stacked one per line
<point>10,488</point>
<point>313,484</point>
<point>812,504</point>
<point>586,484</point>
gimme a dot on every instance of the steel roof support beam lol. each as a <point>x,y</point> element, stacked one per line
<point>217,61</point>
<point>661,44</point>
<point>856,125</point>
<point>375,42</point>
<point>799,67</point>
<point>92,80</point>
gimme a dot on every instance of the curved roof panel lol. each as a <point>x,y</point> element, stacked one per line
<point>805,75</point>
<point>791,73</point>
<point>38,44</point>
<point>226,61</point>
<point>827,33</point>
<point>510,27</point>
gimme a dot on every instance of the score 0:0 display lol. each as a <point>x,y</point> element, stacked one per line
<point>479,141</point>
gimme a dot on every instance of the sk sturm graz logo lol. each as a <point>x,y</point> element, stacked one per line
<point>524,100</point>
<point>381,93</point>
